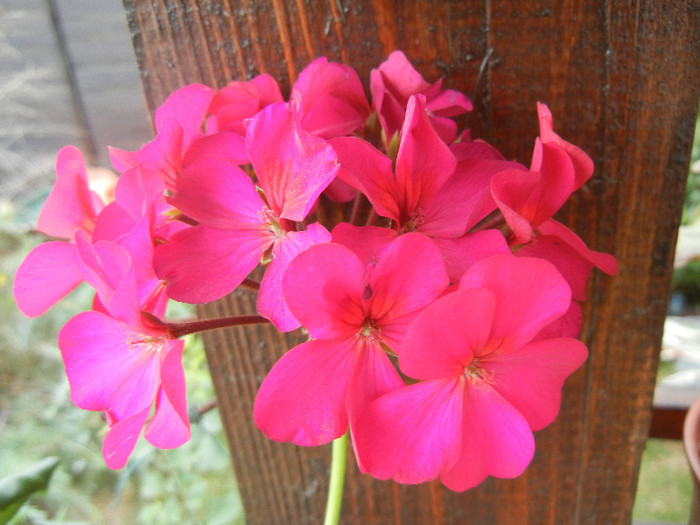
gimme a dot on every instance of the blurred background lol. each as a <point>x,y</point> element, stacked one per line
<point>68,76</point>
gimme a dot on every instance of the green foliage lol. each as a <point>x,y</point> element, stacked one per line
<point>16,489</point>
<point>686,281</point>
<point>691,206</point>
<point>665,484</point>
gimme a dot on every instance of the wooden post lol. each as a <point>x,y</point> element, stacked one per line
<point>622,82</point>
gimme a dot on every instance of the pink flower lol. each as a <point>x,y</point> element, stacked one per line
<point>485,384</point>
<point>330,98</point>
<point>123,362</point>
<point>353,309</point>
<point>180,137</point>
<point>49,272</point>
<point>238,101</point>
<point>395,81</point>
<point>237,228</point>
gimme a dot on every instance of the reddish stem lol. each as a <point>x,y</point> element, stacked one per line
<point>250,284</point>
<point>190,327</point>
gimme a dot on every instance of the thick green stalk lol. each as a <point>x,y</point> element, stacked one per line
<point>335,488</point>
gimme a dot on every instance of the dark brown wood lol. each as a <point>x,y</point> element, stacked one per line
<point>622,82</point>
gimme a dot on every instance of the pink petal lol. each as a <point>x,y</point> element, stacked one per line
<point>170,425</point>
<point>331,98</point>
<point>362,166</point>
<point>70,206</point>
<point>454,328</point>
<point>424,162</point>
<point>408,274</point>
<point>496,440</point>
<point>568,325</point>
<point>239,101</point>
<point>303,398</point>
<point>412,434</point>
<point>327,302</point>
<point>47,274</point>
<point>603,261</point>
<point>530,293</point>
<point>271,302</point>
<point>365,241</point>
<point>531,378</point>
<point>162,155</point>
<point>293,166</point>
<point>373,376</point>
<point>218,194</point>
<point>459,254</point>
<point>121,439</point>
<point>226,145</point>
<point>188,107</point>
<point>105,371</point>
<point>568,261</point>
<point>583,165</point>
<point>202,264</point>
<point>464,199</point>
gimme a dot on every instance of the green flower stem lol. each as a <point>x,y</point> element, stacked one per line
<point>335,489</point>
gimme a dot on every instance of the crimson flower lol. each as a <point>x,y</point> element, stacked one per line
<point>486,381</point>
<point>123,362</point>
<point>352,315</point>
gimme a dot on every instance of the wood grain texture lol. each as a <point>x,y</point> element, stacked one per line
<point>622,82</point>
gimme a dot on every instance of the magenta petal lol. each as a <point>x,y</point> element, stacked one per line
<point>303,398</point>
<point>459,254</point>
<point>170,425</point>
<point>496,440</point>
<point>218,194</point>
<point>365,241</point>
<point>362,166</point>
<point>271,302</point>
<point>188,107</point>
<point>292,165</point>
<point>373,375</point>
<point>47,274</point>
<point>583,165</point>
<point>331,98</point>
<point>227,145</point>
<point>104,372</point>
<point>407,276</point>
<point>454,328</point>
<point>326,301</point>
<point>530,293</point>
<point>412,434</point>
<point>121,439</point>
<point>424,162</point>
<point>70,206</point>
<point>202,264</point>
<point>531,378</point>
<point>603,261</point>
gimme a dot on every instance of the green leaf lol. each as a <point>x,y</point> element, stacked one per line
<point>17,488</point>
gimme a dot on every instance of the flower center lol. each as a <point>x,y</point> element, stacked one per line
<point>147,345</point>
<point>370,331</point>
<point>478,375</point>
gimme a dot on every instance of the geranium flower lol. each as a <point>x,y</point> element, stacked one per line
<point>485,383</point>
<point>353,309</point>
<point>50,272</point>
<point>236,226</point>
<point>123,362</point>
<point>396,80</point>
<point>181,138</point>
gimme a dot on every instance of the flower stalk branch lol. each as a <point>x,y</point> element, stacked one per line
<point>178,330</point>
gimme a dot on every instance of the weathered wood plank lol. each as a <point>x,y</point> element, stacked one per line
<point>623,84</point>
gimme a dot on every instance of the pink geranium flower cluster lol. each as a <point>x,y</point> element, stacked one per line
<point>442,322</point>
